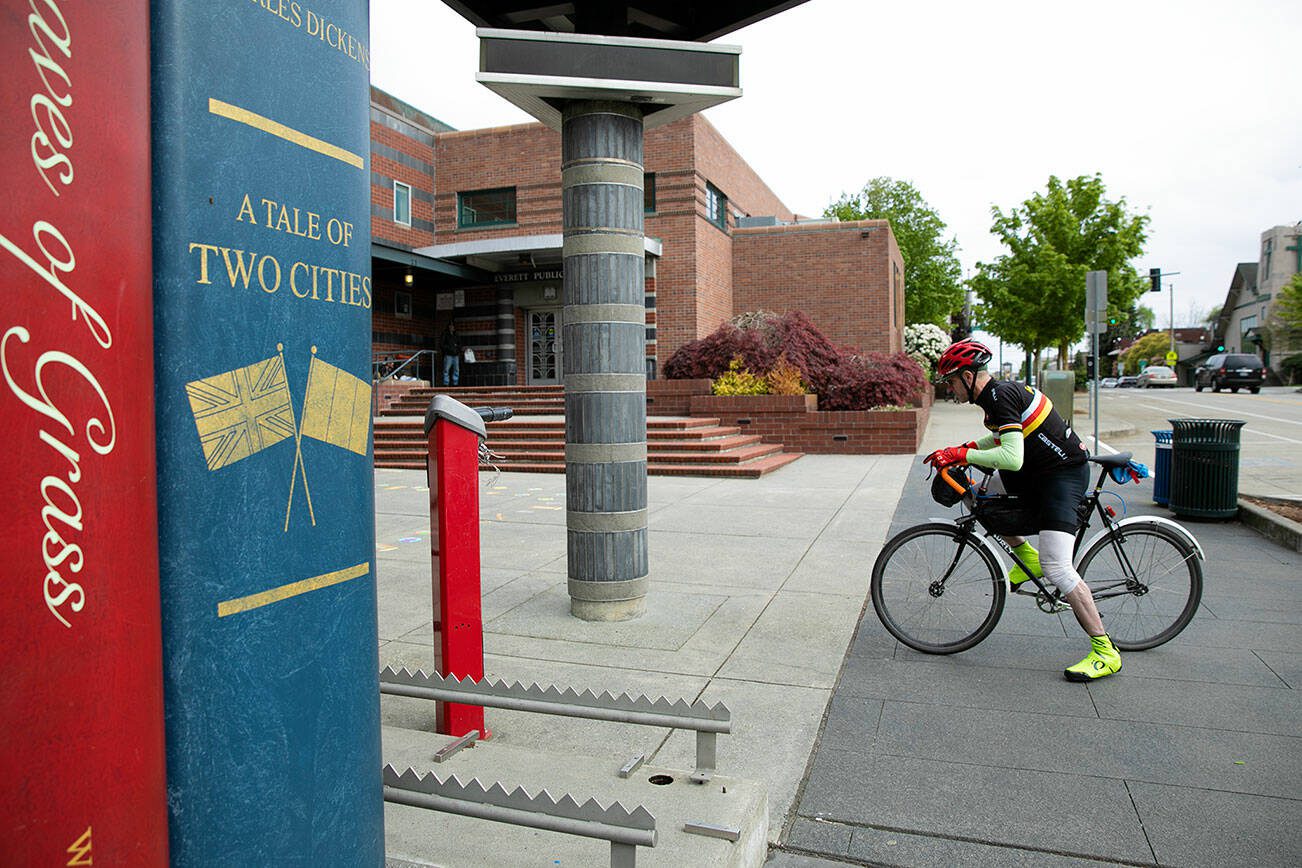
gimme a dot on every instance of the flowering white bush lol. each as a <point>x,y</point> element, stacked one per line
<point>924,342</point>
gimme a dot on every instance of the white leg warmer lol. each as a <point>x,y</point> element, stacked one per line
<point>1055,559</point>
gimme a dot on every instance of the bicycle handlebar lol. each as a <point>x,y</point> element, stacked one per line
<point>944,474</point>
<point>494,414</point>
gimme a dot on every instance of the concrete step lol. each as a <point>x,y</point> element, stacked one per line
<point>750,470</point>
<point>675,446</point>
<point>419,837</point>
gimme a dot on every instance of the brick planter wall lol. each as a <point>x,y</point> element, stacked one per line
<point>673,397</point>
<point>796,422</point>
<point>391,390</point>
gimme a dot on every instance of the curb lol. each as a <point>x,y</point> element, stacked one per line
<point>1271,525</point>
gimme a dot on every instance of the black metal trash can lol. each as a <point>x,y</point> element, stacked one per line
<point>1205,467</point>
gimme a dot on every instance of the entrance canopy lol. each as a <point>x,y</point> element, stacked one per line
<point>655,19</point>
<point>395,262</point>
<point>489,256</point>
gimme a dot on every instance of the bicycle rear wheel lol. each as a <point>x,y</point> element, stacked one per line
<point>1150,594</point>
<point>937,588</point>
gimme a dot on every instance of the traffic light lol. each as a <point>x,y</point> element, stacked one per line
<point>1220,348</point>
<point>1089,367</point>
<point>1112,320</point>
<point>1155,278</point>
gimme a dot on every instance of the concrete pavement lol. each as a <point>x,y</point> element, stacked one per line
<point>757,588</point>
<point>1269,440</point>
<point>866,751</point>
<point>1192,755</point>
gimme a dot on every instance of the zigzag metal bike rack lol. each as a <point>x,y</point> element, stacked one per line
<point>706,719</point>
<point>625,830</point>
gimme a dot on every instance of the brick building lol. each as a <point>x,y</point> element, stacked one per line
<point>1243,324</point>
<point>466,227</point>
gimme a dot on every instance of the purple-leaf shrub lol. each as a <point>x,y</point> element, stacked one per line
<point>843,378</point>
<point>864,381</point>
<point>709,357</point>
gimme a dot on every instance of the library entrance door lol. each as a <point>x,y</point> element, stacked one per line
<point>544,330</point>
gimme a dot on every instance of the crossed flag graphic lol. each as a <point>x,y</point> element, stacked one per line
<point>243,411</point>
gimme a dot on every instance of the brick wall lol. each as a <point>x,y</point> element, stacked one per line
<point>673,397</point>
<point>796,423</point>
<point>524,156</point>
<point>706,275</point>
<point>842,275</point>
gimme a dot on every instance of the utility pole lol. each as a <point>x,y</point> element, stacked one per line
<point>1096,315</point>
<point>1155,276</point>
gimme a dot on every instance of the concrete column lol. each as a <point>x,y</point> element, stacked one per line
<point>506,334</point>
<point>604,367</point>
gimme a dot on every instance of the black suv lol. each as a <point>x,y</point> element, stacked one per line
<point>1231,371</point>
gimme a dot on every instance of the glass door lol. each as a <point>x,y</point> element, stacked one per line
<point>544,347</point>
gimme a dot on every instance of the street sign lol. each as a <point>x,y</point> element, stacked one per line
<point>1096,301</point>
<point>1172,357</point>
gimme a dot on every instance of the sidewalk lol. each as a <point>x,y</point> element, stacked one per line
<point>869,753</point>
<point>757,587</point>
<point>1192,755</point>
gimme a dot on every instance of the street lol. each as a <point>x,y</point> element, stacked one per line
<point>1269,462</point>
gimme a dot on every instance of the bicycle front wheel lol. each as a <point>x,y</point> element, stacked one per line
<point>937,588</point>
<point>1147,582</point>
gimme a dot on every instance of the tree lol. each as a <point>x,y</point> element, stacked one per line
<point>1034,294</point>
<point>1146,349</point>
<point>932,275</point>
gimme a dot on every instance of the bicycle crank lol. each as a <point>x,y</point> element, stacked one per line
<point>1050,603</point>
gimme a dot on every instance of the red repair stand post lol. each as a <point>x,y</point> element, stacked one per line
<point>454,432</point>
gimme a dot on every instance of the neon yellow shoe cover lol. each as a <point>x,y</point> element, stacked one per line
<point>1102,661</point>
<point>1031,558</point>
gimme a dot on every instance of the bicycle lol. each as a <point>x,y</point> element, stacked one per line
<point>940,587</point>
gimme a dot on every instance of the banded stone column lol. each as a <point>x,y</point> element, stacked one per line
<point>605,379</point>
<point>506,334</point>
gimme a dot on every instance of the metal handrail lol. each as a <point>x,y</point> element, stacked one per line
<point>377,380</point>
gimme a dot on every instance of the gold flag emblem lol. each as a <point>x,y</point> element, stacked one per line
<point>337,409</point>
<point>241,412</point>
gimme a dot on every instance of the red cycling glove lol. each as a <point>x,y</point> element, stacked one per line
<point>948,456</point>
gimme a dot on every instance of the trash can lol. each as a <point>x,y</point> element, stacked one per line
<point>1205,467</point>
<point>1162,468</point>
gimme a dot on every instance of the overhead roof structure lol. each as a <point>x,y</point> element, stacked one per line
<point>652,19</point>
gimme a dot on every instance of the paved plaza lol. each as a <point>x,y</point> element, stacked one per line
<point>870,753</point>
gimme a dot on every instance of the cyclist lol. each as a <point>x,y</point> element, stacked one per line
<point>1041,460</point>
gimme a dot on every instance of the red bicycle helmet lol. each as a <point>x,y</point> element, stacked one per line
<point>962,356</point>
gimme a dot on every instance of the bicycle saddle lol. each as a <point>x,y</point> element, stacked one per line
<point>1121,459</point>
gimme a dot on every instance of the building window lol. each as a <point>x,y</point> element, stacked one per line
<point>401,203</point>
<point>486,208</point>
<point>1267,247</point>
<point>716,206</point>
<point>649,193</point>
<point>402,304</point>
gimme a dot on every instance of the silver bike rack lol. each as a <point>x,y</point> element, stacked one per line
<point>706,719</point>
<point>625,830</point>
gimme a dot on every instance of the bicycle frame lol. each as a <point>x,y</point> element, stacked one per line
<point>1049,597</point>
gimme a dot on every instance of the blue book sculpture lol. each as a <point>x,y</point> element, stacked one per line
<point>263,405</point>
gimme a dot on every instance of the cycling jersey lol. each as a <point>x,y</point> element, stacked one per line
<point>1048,443</point>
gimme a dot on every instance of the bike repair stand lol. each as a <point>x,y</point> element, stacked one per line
<point>454,432</point>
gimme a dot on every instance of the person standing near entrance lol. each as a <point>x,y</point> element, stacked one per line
<point>450,346</point>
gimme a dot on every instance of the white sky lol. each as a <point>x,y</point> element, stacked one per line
<point>1190,110</point>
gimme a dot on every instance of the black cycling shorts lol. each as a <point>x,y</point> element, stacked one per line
<point>1055,497</point>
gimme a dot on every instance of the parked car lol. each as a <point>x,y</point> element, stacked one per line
<point>1127,382</point>
<point>1231,371</point>
<point>1157,375</point>
<point>1109,382</point>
